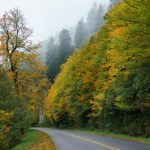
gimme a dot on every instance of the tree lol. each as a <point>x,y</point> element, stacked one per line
<point>99,20</point>
<point>58,54</point>
<point>91,19</point>
<point>95,18</point>
<point>27,73</point>
<point>80,34</point>
<point>52,59</point>
<point>65,46</point>
<point>15,41</point>
<point>33,85</point>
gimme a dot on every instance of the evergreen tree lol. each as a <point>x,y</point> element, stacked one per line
<point>99,21</point>
<point>52,59</point>
<point>91,19</point>
<point>65,47</point>
<point>58,54</point>
<point>95,18</point>
<point>80,34</point>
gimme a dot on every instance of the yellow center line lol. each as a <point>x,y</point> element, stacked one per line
<point>89,140</point>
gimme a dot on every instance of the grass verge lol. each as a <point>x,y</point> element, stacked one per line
<point>35,140</point>
<point>115,135</point>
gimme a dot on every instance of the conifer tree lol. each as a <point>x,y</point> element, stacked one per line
<point>80,34</point>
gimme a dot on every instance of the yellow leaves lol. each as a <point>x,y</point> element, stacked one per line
<point>52,93</point>
<point>50,100</point>
<point>117,32</point>
<point>96,108</point>
<point>115,63</point>
<point>61,104</point>
<point>32,81</point>
<point>100,96</point>
<point>113,59</point>
<point>74,85</point>
<point>5,116</point>
<point>87,77</point>
<point>113,56</point>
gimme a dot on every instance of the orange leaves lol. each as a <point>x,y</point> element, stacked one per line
<point>4,116</point>
<point>117,32</point>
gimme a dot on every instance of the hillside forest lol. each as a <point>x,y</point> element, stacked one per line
<point>105,84</point>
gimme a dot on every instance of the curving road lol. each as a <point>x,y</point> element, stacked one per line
<point>69,140</point>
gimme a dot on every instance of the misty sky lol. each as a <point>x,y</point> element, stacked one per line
<point>47,17</point>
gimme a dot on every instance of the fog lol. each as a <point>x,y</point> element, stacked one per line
<point>47,17</point>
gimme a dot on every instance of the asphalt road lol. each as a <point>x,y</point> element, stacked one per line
<point>69,140</point>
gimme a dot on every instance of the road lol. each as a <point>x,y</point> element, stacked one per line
<point>69,140</point>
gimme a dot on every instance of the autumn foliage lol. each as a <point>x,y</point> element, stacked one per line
<point>23,82</point>
<point>106,84</point>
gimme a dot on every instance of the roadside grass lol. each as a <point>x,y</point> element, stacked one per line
<point>115,135</point>
<point>35,140</point>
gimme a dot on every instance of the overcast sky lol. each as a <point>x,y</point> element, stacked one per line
<point>47,17</point>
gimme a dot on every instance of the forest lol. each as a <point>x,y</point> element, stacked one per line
<point>97,77</point>
<point>106,83</point>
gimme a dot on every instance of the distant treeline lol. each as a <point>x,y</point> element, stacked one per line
<point>60,48</point>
